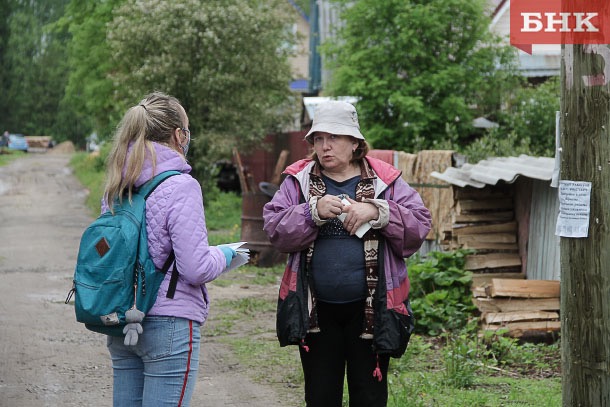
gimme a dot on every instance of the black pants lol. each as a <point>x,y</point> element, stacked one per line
<point>337,345</point>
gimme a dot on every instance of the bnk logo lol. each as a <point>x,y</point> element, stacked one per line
<point>559,22</point>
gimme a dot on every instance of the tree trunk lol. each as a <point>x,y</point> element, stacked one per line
<point>585,262</point>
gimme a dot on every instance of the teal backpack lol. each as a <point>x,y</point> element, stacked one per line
<point>114,272</point>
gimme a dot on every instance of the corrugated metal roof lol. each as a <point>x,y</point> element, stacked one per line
<point>492,170</point>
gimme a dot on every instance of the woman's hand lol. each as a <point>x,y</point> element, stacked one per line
<point>329,207</point>
<point>358,213</point>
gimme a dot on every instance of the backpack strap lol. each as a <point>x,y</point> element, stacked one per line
<point>146,189</point>
<point>173,282</point>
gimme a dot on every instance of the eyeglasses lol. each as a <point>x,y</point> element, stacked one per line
<point>187,132</point>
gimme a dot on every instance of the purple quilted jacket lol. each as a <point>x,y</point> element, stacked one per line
<point>175,218</point>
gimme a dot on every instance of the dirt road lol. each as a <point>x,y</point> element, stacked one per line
<point>46,357</point>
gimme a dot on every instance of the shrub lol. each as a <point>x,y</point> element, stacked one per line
<point>440,292</point>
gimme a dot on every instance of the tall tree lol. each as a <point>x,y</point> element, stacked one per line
<point>90,92</point>
<point>423,69</point>
<point>225,60</point>
<point>5,12</point>
<point>35,72</point>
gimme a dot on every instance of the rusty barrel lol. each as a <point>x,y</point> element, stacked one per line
<point>262,252</point>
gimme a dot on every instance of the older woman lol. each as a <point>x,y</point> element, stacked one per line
<point>348,221</point>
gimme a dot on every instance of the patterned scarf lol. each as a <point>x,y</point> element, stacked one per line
<point>364,189</point>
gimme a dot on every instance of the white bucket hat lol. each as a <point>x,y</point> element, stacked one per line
<point>335,117</point>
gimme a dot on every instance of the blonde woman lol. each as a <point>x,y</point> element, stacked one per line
<point>161,369</point>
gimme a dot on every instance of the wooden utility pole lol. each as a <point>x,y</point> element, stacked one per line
<point>585,262</point>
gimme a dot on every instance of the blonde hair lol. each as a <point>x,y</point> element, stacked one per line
<point>361,151</point>
<point>154,118</point>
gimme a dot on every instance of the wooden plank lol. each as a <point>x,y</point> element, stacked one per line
<point>517,329</point>
<point>515,304</point>
<point>507,247</point>
<point>279,167</point>
<point>243,183</point>
<point>464,206</point>
<point>479,279</point>
<point>524,288</point>
<point>483,217</point>
<point>470,193</point>
<point>478,291</point>
<point>490,237</point>
<point>508,227</point>
<point>492,260</point>
<point>515,316</point>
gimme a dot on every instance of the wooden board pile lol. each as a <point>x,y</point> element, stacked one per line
<point>38,141</point>
<point>524,307</point>
<point>484,220</point>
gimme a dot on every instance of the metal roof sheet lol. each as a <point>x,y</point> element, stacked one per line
<point>492,170</point>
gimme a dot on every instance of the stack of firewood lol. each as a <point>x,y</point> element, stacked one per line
<point>484,221</point>
<point>524,307</point>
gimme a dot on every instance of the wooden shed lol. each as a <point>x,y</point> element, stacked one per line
<point>506,210</point>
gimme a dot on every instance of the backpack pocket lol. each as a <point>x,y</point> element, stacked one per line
<point>100,294</point>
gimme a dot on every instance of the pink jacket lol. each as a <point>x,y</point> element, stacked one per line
<point>175,218</point>
<point>290,228</point>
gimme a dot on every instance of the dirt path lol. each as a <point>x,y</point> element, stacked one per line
<point>47,358</point>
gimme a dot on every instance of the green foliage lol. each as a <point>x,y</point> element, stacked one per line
<point>89,91</point>
<point>225,60</point>
<point>470,375</point>
<point>89,170</point>
<point>440,292</point>
<point>418,66</point>
<point>460,359</point>
<point>496,143</point>
<point>223,211</point>
<point>499,347</point>
<point>531,115</point>
<point>527,124</point>
<point>34,69</point>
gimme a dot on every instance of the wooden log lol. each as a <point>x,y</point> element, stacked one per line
<point>243,183</point>
<point>508,227</point>
<point>479,279</point>
<point>279,167</point>
<point>524,288</point>
<point>516,316</point>
<point>492,260</point>
<point>478,291</point>
<point>464,206</point>
<point>483,217</point>
<point>518,329</point>
<point>485,304</point>
<point>490,246</point>
<point>490,237</point>
<point>470,193</point>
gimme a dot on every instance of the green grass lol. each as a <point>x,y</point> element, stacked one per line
<point>89,170</point>
<point>224,212</point>
<point>421,378</point>
<point>6,156</point>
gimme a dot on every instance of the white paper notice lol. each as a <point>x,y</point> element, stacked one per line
<point>574,209</point>
<point>243,255</point>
